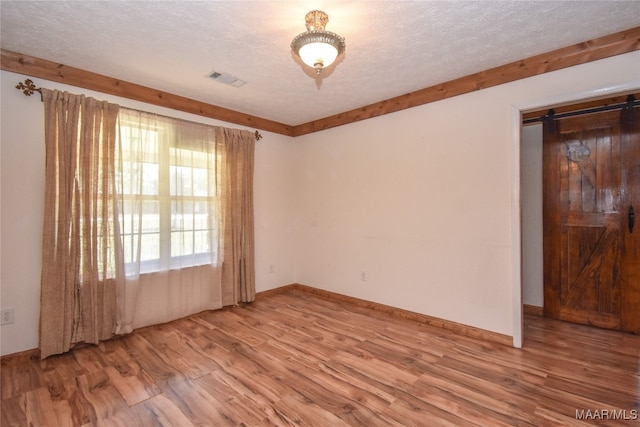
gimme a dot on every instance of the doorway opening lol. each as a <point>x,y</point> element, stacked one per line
<point>527,210</point>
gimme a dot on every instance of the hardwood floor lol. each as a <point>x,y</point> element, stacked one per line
<point>298,359</point>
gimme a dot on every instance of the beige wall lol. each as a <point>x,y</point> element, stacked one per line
<point>423,200</point>
<point>420,200</point>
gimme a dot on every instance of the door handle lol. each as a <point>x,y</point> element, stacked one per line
<point>632,219</point>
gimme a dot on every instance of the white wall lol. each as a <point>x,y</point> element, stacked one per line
<point>422,200</point>
<point>22,197</point>
<point>531,202</point>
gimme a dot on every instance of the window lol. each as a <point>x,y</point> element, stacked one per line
<point>168,193</point>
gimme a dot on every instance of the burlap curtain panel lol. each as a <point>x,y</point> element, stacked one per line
<point>236,190</point>
<point>80,248</point>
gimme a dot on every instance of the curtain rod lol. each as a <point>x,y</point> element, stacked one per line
<point>28,88</point>
<point>631,103</point>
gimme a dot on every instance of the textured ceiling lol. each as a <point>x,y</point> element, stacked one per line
<point>393,47</point>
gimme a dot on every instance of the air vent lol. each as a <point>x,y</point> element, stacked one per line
<point>227,79</point>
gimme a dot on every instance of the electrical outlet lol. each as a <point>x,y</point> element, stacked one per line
<point>6,316</point>
<point>363,276</point>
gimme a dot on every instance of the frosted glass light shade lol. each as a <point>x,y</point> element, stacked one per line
<point>318,53</point>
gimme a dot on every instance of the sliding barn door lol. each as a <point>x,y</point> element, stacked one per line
<point>591,195</point>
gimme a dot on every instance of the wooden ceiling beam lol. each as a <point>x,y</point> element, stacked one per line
<point>602,47</point>
<point>591,50</point>
<point>43,69</point>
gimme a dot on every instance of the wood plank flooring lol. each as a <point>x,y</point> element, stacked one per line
<point>297,359</point>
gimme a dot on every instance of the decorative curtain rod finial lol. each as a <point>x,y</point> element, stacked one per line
<point>258,136</point>
<point>28,87</point>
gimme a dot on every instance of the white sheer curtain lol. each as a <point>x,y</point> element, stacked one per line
<point>170,219</point>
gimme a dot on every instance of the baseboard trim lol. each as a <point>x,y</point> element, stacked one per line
<point>533,310</point>
<point>27,354</point>
<point>469,331</point>
<point>276,291</point>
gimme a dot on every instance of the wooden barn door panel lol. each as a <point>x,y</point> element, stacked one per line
<point>590,264</point>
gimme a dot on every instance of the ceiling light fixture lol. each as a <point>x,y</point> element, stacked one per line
<point>317,48</point>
